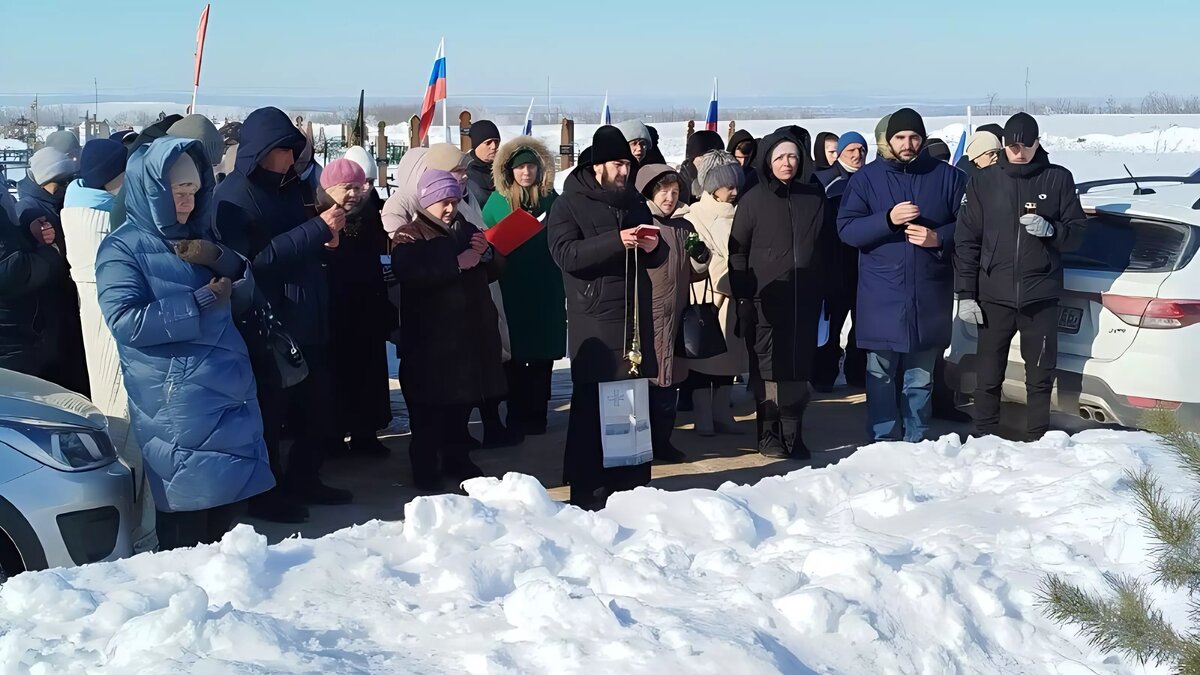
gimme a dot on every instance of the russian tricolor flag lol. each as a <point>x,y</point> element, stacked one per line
<point>436,91</point>
<point>710,122</point>
<point>606,116</point>
<point>527,130</point>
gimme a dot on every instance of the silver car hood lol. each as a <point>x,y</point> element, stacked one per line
<point>28,398</point>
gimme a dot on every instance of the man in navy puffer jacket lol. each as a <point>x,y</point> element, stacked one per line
<point>899,212</point>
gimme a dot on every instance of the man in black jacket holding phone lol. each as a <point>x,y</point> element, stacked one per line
<point>1015,221</point>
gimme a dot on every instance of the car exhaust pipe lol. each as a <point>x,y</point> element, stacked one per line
<point>1085,414</point>
<point>1099,416</point>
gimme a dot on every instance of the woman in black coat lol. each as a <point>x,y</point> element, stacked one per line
<point>361,319</point>
<point>776,251</point>
<point>450,354</point>
<point>27,267</point>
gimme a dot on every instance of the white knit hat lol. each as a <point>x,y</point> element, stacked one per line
<point>363,157</point>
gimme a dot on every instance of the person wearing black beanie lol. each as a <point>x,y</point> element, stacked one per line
<point>1009,282</point>
<point>485,140</point>
<point>482,132</point>
<point>899,212</point>
<point>906,119</point>
<point>699,144</point>
<point>590,232</point>
<point>609,145</point>
<point>993,129</point>
<point>938,149</point>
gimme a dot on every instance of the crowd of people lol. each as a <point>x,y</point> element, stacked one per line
<point>222,294</point>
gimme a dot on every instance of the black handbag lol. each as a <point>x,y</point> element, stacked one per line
<point>700,334</point>
<point>273,338</point>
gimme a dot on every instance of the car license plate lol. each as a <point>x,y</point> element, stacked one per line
<point>1069,319</point>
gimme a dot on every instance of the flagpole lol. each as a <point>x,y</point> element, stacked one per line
<point>201,33</point>
<point>446,100</point>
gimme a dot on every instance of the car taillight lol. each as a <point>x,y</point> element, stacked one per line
<point>1153,403</point>
<point>1153,312</point>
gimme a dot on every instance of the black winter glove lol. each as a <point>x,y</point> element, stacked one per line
<point>697,250</point>
<point>747,317</point>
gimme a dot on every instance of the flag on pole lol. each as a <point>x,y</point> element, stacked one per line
<point>527,130</point>
<point>962,146</point>
<point>606,116</point>
<point>200,33</point>
<point>360,122</point>
<point>962,141</point>
<point>710,122</point>
<point>434,92</point>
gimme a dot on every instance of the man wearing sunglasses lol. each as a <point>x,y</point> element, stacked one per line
<point>1015,220</point>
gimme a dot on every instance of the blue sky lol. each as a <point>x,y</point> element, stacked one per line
<point>961,49</point>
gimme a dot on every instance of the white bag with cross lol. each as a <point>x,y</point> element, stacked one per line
<point>625,423</point>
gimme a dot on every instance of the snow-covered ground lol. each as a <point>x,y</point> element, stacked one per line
<point>900,559</point>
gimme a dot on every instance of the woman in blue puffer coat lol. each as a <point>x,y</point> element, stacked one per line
<point>166,292</point>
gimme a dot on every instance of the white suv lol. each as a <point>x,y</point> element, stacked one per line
<point>1129,318</point>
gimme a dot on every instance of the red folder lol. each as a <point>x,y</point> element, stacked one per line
<point>513,230</point>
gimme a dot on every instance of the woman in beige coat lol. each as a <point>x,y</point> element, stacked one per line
<point>711,380</point>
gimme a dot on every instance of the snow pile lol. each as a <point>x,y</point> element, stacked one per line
<point>901,559</point>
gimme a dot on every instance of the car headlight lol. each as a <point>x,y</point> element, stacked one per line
<point>58,446</point>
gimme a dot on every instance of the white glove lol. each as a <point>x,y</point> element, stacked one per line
<point>1037,225</point>
<point>970,312</point>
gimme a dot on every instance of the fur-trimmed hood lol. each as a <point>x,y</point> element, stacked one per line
<point>502,172</point>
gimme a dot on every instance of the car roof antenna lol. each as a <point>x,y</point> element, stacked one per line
<point>1138,189</point>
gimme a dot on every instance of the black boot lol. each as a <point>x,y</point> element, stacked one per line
<point>277,506</point>
<point>794,398</point>
<point>367,445</point>
<point>793,438</point>
<point>770,433</point>
<point>501,437</point>
<point>662,423</point>
<point>427,476</point>
<point>458,467</point>
<point>317,492</point>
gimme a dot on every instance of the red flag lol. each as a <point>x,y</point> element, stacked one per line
<point>200,43</point>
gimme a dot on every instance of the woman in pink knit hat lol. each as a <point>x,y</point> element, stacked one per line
<point>450,354</point>
<point>361,318</point>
